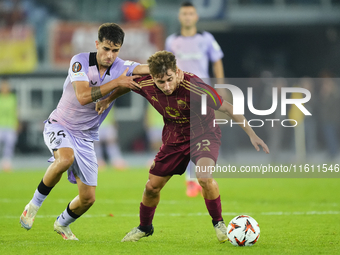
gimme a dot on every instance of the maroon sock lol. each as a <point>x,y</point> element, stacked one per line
<point>215,209</point>
<point>146,214</point>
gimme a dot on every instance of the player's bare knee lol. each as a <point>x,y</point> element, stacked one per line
<point>205,182</point>
<point>64,163</point>
<point>151,190</point>
<point>88,201</point>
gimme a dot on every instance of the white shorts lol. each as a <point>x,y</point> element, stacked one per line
<point>85,161</point>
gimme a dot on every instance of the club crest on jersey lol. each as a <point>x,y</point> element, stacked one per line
<point>76,67</point>
<point>172,111</point>
<point>182,104</point>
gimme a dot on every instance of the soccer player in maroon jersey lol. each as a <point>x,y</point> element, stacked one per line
<point>194,50</point>
<point>187,135</point>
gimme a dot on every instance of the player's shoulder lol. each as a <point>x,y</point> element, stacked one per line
<point>172,37</point>
<point>207,35</point>
<point>80,62</point>
<point>145,81</point>
<point>191,79</point>
<point>84,56</point>
<point>120,62</point>
<point>189,76</point>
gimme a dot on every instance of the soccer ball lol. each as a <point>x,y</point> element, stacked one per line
<point>243,230</point>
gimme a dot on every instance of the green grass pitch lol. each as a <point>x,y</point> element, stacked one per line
<point>296,216</point>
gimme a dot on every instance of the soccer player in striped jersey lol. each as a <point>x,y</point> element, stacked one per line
<point>187,135</point>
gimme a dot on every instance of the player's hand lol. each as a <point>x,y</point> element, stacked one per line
<point>102,105</point>
<point>256,141</point>
<point>179,75</point>
<point>128,81</point>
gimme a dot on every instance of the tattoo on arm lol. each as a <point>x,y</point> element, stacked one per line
<point>96,93</point>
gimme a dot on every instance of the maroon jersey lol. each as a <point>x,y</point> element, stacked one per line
<point>181,110</point>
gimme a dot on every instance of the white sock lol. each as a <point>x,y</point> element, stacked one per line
<point>65,219</point>
<point>38,198</point>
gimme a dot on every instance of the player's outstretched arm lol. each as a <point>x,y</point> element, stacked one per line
<point>102,105</point>
<point>142,69</point>
<point>86,94</point>
<point>227,108</point>
<point>218,70</point>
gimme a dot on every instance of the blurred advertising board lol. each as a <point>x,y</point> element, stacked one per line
<point>17,50</point>
<point>69,38</point>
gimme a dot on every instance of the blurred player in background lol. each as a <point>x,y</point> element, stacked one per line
<point>73,126</point>
<point>186,136</point>
<point>108,144</point>
<point>8,125</point>
<point>194,50</point>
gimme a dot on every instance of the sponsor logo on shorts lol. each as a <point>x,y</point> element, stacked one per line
<point>76,67</point>
<point>58,141</point>
<point>153,165</point>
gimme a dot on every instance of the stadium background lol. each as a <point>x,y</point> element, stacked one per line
<point>260,39</point>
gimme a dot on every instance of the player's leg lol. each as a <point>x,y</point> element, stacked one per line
<point>209,186</point>
<point>151,197</point>
<point>10,138</point>
<point>64,158</point>
<point>77,207</point>
<point>211,196</point>
<point>170,160</point>
<point>84,172</point>
<point>113,150</point>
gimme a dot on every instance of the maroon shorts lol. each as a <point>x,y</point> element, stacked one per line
<point>171,160</point>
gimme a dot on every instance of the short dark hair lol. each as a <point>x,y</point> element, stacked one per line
<point>111,32</point>
<point>187,4</point>
<point>161,62</point>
